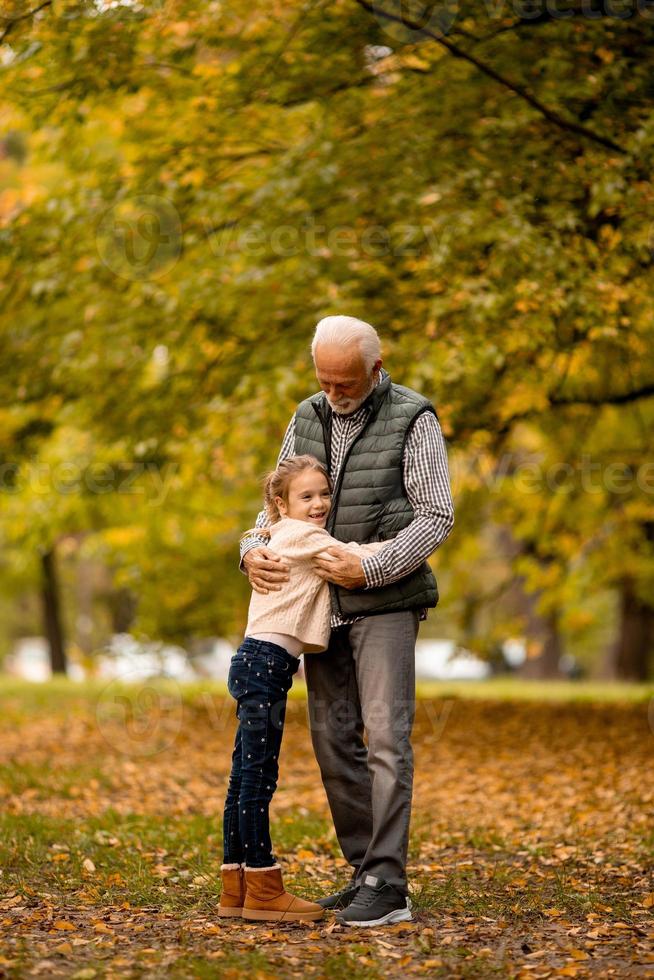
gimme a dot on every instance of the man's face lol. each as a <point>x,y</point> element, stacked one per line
<point>343,376</point>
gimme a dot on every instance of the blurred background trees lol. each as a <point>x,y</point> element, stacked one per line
<point>188,186</point>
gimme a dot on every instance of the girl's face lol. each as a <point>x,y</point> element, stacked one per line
<point>309,498</point>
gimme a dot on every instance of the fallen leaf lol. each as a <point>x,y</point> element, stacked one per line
<point>101,927</point>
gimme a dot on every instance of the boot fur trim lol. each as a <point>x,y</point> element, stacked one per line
<point>273,867</point>
<point>229,867</point>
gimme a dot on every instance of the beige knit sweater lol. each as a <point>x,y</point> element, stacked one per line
<point>302,608</point>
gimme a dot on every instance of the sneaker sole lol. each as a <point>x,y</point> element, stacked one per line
<point>264,915</point>
<point>397,915</point>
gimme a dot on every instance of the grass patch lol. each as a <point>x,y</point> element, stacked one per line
<point>309,831</point>
<point>336,966</point>
<point>514,688</point>
<point>140,859</point>
<point>145,860</point>
<point>173,864</point>
<point>347,966</point>
<point>16,778</point>
<point>505,893</point>
<point>198,967</point>
<point>60,693</point>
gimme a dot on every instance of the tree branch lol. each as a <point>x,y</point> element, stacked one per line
<point>465,426</point>
<point>551,115</point>
<point>295,28</point>
<point>621,398</point>
<point>314,97</point>
<point>14,20</point>
<point>545,16</point>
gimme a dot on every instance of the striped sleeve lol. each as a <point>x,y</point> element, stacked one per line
<point>427,482</point>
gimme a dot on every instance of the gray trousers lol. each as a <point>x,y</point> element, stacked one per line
<point>366,679</point>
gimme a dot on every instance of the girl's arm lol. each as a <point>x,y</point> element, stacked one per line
<point>303,542</point>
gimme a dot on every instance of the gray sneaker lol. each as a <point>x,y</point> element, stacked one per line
<point>376,903</point>
<point>342,898</point>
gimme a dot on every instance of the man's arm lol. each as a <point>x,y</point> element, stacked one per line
<point>253,540</point>
<point>427,482</point>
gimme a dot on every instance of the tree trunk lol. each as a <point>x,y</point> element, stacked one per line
<point>546,629</point>
<point>630,656</point>
<point>542,632</point>
<point>52,612</point>
<point>122,609</point>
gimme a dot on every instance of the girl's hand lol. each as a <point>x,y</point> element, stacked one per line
<point>266,570</point>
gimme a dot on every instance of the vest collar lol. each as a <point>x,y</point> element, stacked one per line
<point>379,392</point>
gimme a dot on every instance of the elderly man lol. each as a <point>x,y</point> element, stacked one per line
<point>384,449</point>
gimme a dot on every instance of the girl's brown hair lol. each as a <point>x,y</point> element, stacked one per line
<point>277,483</point>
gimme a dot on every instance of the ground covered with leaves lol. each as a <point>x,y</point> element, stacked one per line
<point>531,850</point>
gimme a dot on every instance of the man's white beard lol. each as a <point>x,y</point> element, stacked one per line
<point>349,405</point>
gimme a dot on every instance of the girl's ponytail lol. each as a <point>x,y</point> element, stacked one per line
<point>260,532</point>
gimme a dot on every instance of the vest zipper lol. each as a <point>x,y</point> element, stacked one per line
<point>337,492</point>
<point>326,437</point>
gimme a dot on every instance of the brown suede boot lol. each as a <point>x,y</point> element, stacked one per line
<point>266,898</point>
<point>233,890</point>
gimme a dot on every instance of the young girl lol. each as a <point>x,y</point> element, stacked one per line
<point>281,625</point>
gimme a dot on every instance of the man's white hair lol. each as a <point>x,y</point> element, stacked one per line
<point>342,331</point>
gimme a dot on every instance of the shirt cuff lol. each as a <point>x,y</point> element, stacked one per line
<point>247,545</point>
<point>373,571</point>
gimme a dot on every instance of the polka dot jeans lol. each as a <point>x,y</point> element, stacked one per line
<point>260,677</point>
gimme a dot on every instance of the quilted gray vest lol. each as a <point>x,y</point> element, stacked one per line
<point>369,501</point>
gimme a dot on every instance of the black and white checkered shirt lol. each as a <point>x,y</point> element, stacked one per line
<point>427,483</point>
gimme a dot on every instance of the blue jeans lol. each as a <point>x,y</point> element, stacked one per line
<point>260,677</point>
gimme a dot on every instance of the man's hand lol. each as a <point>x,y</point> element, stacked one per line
<point>266,570</point>
<point>340,566</point>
